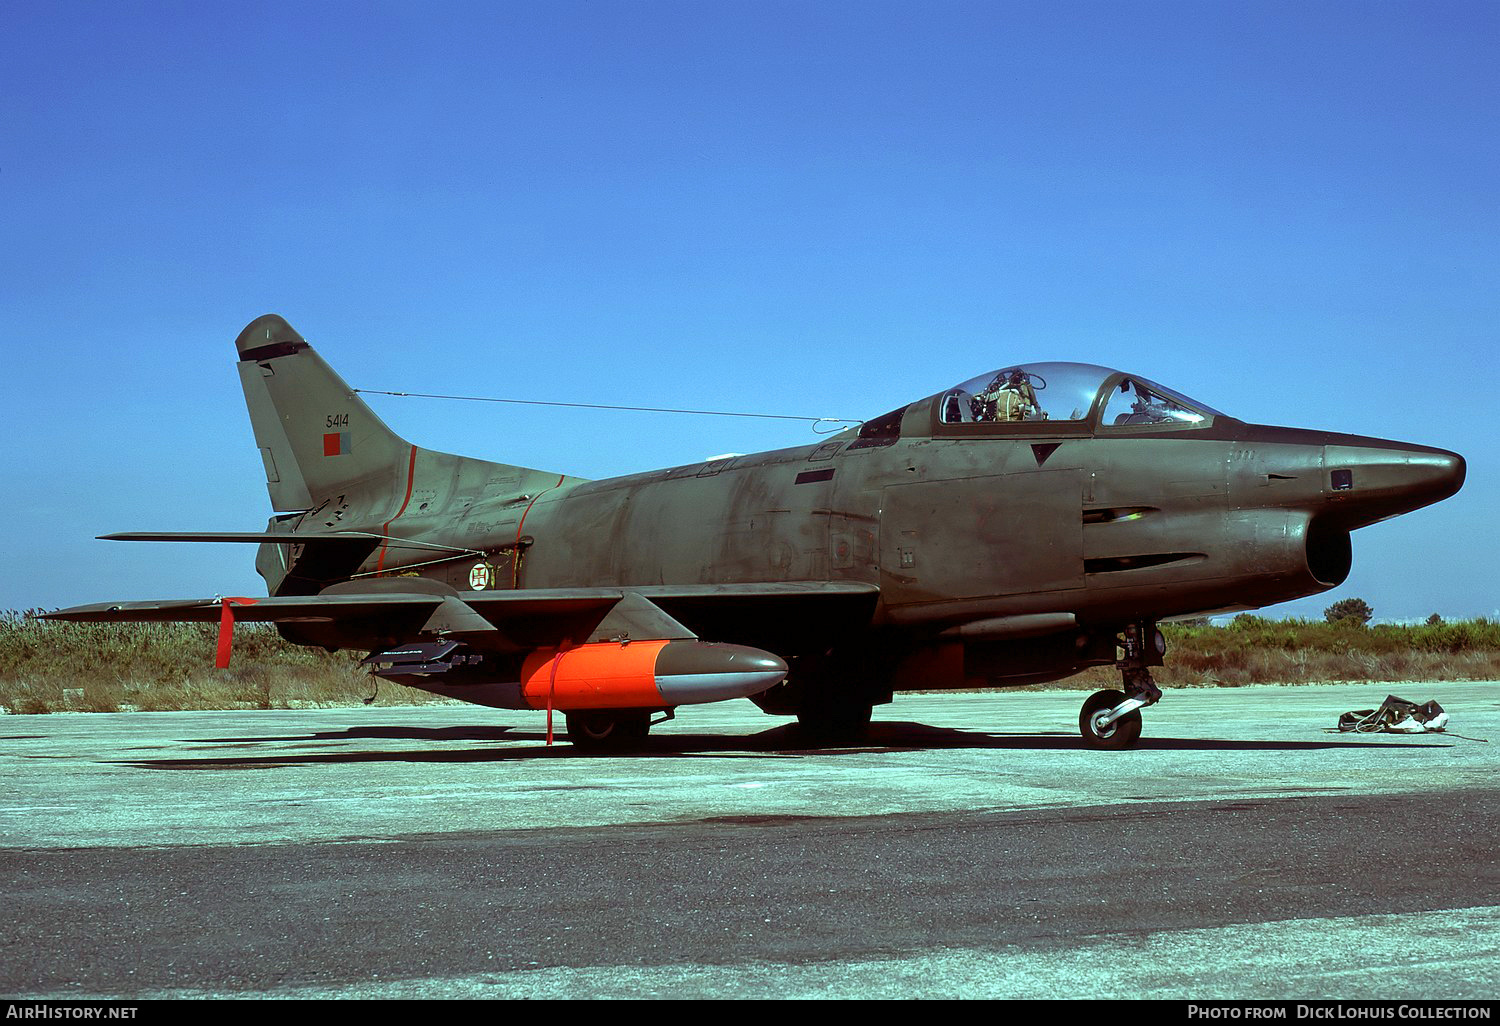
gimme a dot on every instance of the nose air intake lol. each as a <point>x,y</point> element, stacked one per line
<point>1330,554</point>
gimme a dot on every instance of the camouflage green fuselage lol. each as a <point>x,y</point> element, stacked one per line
<point>1013,551</point>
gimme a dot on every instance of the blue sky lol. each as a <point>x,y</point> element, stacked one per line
<point>1286,210</point>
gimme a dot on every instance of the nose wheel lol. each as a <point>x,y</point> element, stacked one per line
<point>1111,720</point>
<point>1105,729</point>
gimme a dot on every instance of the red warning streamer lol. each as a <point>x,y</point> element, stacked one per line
<point>552,684</point>
<point>226,629</point>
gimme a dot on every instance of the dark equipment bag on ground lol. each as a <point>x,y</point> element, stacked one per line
<point>1396,715</point>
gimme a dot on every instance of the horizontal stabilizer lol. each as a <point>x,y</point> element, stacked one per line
<point>320,537</point>
<point>267,610</point>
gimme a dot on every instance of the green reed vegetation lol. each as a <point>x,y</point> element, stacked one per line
<point>1255,650</point>
<point>113,667</point>
<point>54,667</point>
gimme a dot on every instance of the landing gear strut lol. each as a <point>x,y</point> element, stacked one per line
<point>1111,720</point>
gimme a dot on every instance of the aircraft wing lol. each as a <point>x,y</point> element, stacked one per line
<point>406,608</point>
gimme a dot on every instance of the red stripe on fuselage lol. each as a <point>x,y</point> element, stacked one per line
<point>515,562</point>
<point>411,477</point>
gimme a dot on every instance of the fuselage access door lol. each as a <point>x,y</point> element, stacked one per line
<point>978,537</point>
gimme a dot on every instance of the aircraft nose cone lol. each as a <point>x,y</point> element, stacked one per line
<point>1453,471</point>
<point>1371,483</point>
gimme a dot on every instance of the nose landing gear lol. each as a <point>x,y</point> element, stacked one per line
<point>1111,720</point>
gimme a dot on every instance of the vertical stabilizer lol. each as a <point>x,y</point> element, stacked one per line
<point>317,438</point>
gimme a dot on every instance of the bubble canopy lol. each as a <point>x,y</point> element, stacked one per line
<point>1073,394</point>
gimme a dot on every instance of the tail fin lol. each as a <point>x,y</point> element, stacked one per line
<point>316,436</point>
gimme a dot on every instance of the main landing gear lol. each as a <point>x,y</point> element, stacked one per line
<point>600,730</point>
<point>1111,720</point>
<point>832,718</point>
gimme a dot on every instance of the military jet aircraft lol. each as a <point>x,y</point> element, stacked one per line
<point>1013,529</point>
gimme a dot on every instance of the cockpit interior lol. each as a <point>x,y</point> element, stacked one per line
<point>1032,398</point>
<point>1068,392</point>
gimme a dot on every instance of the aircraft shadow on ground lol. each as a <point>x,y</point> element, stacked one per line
<point>787,741</point>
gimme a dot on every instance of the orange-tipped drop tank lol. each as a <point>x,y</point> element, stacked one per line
<point>646,675</point>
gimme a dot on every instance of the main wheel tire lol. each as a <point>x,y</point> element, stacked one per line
<point>1122,733</point>
<point>826,720</point>
<point>602,730</point>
